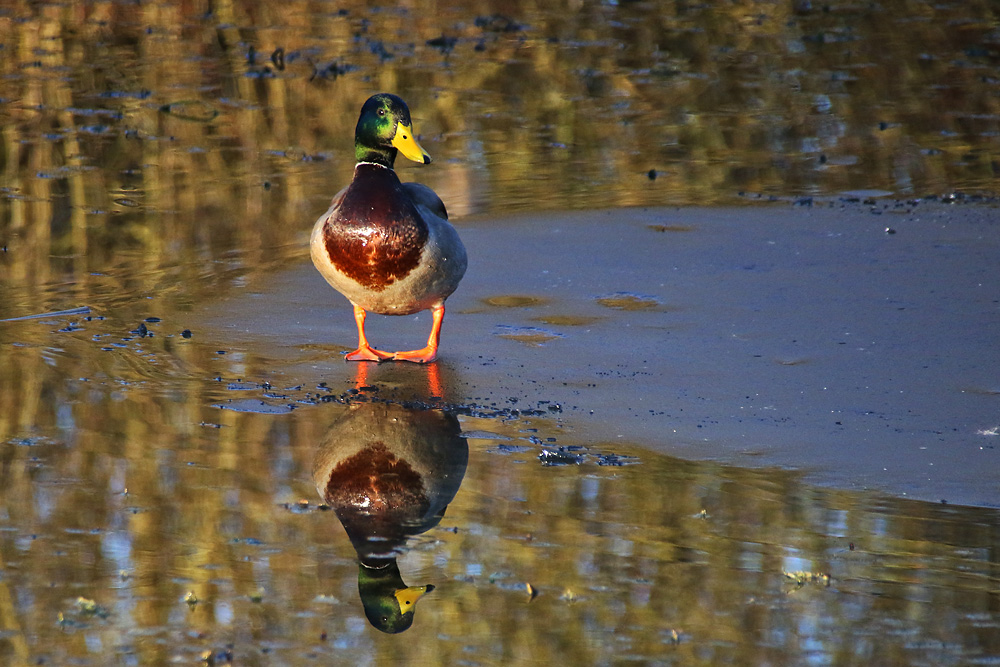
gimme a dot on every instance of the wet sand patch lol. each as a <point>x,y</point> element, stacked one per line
<point>533,336</point>
<point>872,401</point>
<point>628,301</point>
<point>514,301</point>
<point>566,320</point>
<point>670,228</point>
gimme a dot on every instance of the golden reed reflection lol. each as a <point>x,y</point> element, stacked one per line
<point>138,137</point>
<point>132,497</point>
<point>389,473</point>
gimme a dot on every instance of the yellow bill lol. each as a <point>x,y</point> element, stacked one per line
<point>407,144</point>
<point>407,597</point>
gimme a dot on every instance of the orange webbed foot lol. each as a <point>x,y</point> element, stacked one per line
<point>424,356</point>
<point>365,352</point>
<point>368,354</point>
<point>427,354</point>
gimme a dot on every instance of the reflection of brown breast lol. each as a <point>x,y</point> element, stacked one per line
<point>375,480</point>
<point>375,236</point>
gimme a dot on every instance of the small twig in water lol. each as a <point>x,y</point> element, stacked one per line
<point>83,310</point>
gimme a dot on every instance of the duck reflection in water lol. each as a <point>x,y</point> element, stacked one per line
<point>389,472</point>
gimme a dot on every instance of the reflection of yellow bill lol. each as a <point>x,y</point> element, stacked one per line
<point>407,597</point>
<point>407,144</point>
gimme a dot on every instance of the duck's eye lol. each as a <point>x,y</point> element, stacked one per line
<point>381,112</point>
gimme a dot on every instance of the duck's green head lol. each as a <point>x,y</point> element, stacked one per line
<point>389,603</point>
<point>384,128</point>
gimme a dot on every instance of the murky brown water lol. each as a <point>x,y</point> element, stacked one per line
<point>137,134</point>
<point>159,501</point>
<point>144,525</point>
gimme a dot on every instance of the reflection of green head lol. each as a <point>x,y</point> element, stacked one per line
<point>383,128</point>
<point>388,602</point>
<point>389,473</point>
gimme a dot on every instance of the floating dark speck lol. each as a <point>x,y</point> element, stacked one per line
<point>651,174</point>
<point>331,71</point>
<point>498,23</point>
<point>260,73</point>
<point>560,457</point>
<point>610,460</point>
<point>278,58</point>
<point>445,44</point>
<point>186,333</point>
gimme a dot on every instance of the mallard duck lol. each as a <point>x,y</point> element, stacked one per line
<point>389,472</point>
<point>388,246</point>
<point>388,602</point>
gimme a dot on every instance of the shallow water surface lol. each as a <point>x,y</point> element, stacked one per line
<point>134,135</point>
<point>174,494</point>
<point>176,515</point>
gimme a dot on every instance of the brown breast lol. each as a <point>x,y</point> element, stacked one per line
<point>375,236</point>
<point>376,481</point>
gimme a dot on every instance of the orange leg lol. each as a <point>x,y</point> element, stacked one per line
<point>360,376</point>
<point>434,385</point>
<point>429,353</point>
<point>365,352</point>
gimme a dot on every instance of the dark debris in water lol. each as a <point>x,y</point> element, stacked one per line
<point>243,386</point>
<point>330,71</point>
<point>573,455</point>
<point>28,442</point>
<point>305,507</point>
<point>498,23</point>
<point>216,657</point>
<point>255,406</point>
<point>84,611</point>
<point>877,204</point>
<point>615,460</point>
<point>122,94</point>
<point>560,457</point>
<point>512,409</point>
<point>363,395</point>
<point>800,578</point>
<point>443,43</point>
<point>278,58</point>
<point>508,449</point>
